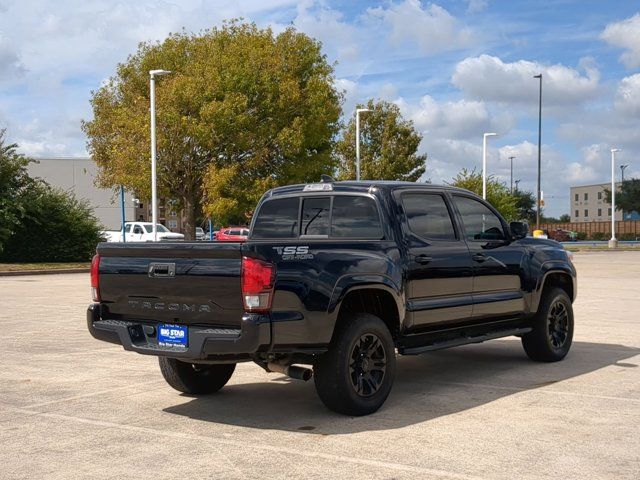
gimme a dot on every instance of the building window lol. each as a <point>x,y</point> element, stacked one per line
<point>586,196</point>
<point>599,212</point>
<point>609,211</point>
<point>586,213</point>
<point>599,195</point>
<point>576,198</point>
<point>577,213</point>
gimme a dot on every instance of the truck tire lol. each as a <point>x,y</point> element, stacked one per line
<point>552,334</point>
<point>195,378</point>
<point>354,377</point>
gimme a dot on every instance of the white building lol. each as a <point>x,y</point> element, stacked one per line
<point>588,204</point>
<point>77,175</point>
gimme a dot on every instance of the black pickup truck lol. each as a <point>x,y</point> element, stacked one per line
<point>337,276</point>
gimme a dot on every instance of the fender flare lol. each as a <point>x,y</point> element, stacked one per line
<point>349,283</point>
<point>548,268</point>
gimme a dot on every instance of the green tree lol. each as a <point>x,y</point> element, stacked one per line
<point>55,227</point>
<point>525,206</point>
<point>497,192</point>
<point>243,111</point>
<point>388,146</point>
<point>565,218</point>
<point>628,198</point>
<point>14,182</point>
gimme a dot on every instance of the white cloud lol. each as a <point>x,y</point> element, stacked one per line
<point>627,100</point>
<point>431,27</point>
<point>625,34</point>
<point>489,78</point>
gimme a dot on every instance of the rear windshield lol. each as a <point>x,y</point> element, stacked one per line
<point>348,216</point>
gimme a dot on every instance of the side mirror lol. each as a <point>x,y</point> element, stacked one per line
<point>519,230</point>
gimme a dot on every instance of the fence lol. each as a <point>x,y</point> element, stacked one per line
<point>623,227</point>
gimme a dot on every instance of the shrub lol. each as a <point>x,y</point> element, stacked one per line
<point>625,237</point>
<point>599,236</point>
<point>581,236</point>
<point>55,227</point>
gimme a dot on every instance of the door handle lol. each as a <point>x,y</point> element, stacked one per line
<point>423,259</point>
<point>479,257</point>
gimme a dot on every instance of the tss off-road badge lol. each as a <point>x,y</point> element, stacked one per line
<point>300,252</point>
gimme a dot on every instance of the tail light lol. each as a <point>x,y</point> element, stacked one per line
<point>95,278</point>
<point>257,281</point>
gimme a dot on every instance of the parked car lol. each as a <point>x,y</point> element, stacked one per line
<point>200,235</point>
<point>232,234</point>
<point>337,277</point>
<point>560,235</point>
<point>141,232</point>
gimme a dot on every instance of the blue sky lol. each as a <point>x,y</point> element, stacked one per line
<point>457,68</point>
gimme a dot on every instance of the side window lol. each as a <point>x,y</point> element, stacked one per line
<point>478,221</point>
<point>137,230</point>
<point>277,219</point>
<point>127,228</point>
<point>315,216</point>
<point>428,216</point>
<point>355,217</point>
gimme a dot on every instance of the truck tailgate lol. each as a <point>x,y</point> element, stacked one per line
<point>189,283</point>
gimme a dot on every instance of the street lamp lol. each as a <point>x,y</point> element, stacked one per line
<point>517,182</point>
<point>358,111</point>
<point>511,158</point>
<point>154,193</point>
<point>484,163</point>
<point>539,148</point>
<point>622,168</point>
<point>613,242</point>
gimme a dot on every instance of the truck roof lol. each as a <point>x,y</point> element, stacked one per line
<point>358,186</point>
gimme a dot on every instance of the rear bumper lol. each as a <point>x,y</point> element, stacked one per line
<point>204,342</point>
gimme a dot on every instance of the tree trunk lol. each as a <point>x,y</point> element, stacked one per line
<point>189,218</point>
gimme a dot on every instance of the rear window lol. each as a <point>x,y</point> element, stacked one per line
<point>315,216</point>
<point>277,219</point>
<point>351,217</point>
<point>355,217</point>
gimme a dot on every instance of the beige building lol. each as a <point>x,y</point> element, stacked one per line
<point>588,203</point>
<point>77,175</point>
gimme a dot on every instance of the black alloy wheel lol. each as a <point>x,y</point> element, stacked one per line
<point>367,365</point>
<point>558,324</point>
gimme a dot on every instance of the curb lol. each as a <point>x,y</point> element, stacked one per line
<point>19,273</point>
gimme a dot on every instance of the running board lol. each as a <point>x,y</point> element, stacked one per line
<point>465,340</point>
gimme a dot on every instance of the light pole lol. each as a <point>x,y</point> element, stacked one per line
<point>517,182</point>
<point>154,193</point>
<point>484,163</point>
<point>358,111</point>
<point>613,242</point>
<point>539,148</point>
<point>511,158</point>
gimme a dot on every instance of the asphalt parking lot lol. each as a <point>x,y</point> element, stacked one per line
<point>73,407</point>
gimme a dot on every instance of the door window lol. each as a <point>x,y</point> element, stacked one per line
<point>479,222</point>
<point>428,216</point>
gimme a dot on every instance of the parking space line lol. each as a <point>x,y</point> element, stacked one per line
<point>242,445</point>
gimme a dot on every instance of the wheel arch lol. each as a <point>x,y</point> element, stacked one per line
<point>555,275</point>
<point>374,294</point>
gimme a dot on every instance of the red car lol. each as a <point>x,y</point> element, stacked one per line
<point>232,234</point>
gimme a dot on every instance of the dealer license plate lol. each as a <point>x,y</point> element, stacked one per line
<point>172,335</point>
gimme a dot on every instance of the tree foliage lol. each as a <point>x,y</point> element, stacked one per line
<point>55,227</point>
<point>14,182</point>
<point>243,111</point>
<point>628,198</point>
<point>497,192</point>
<point>525,206</point>
<point>388,146</point>
<point>39,223</point>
